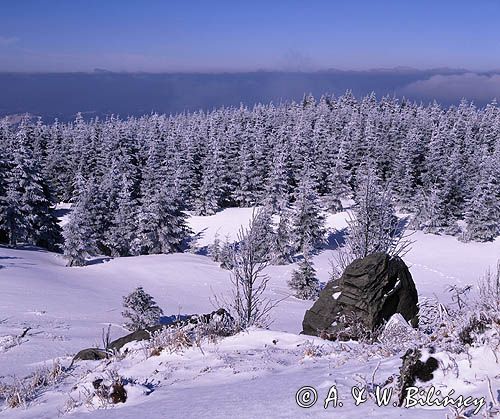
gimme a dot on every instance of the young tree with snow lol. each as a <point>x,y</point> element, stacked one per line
<point>304,281</point>
<point>140,310</point>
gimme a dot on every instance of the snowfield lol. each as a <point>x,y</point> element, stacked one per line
<point>254,374</point>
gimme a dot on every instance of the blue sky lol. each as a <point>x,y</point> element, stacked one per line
<point>172,35</point>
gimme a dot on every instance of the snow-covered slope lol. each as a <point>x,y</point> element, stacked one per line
<point>248,375</point>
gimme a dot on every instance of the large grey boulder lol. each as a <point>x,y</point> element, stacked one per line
<point>90,354</point>
<point>368,293</point>
<point>137,336</point>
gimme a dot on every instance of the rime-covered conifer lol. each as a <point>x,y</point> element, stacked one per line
<point>140,310</point>
<point>304,282</point>
<point>430,157</point>
<point>79,232</point>
<point>483,216</point>
<point>283,245</point>
<point>307,220</point>
<point>27,203</point>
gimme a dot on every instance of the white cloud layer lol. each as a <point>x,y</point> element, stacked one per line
<point>471,86</point>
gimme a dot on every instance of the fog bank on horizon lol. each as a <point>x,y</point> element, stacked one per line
<point>102,93</point>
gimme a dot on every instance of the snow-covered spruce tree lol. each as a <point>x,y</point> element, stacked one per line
<point>117,209</point>
<point>3,201</point>
<point>161,220</point>
<point>443,189</point>
<point>307,220</point>
<point>140,310</point>
<point>406,176</point>
<point>304,281</point>
<point>58,163</point>
<point>338,180</point>
<point>263,232</point>
<point>245,195</point>
<point>78,233</point>
<point>435,212</point>
<point>483,216</point>
<point>162,223</point>
<point>226,254</point>
<point>123,229</point>
<point>277,183</point>
<point>322,146</point>
<point>28,206</point>
<point>282,245</point>
<point>214,249</point>
<point>429,216</point>
<point>210,192</point>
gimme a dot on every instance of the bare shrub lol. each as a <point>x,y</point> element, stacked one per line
<point>247,303</point>
<point>489,290</point>
<point>312,350</point>
<point>459,294</point>
<point>22,391</point>
<point>172,339</point>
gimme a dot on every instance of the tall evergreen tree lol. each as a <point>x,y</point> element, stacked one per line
<point>28,206</point>
<point>123,229</point>
<point>210,193</point>
<point>483,216</point>
<point>162,223</point>
<point>79,235</point>
<point>283,247</point>
<point>4,168</point>
<point>307,220</point>
<point>277,183</point>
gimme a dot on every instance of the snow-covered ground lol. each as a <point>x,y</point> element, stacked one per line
<point>247,375</point>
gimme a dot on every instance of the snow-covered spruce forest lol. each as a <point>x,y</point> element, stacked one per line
<point>131,180</point>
